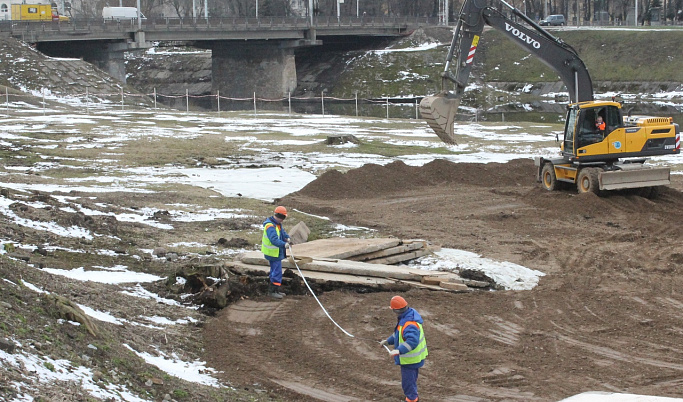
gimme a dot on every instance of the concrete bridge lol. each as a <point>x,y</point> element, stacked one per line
<point>244,50</point>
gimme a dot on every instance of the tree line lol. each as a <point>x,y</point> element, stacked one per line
<point>582,12</point>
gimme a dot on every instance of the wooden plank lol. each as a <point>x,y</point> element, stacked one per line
<point>395,259</point>
<point>453,286</point>
<point>345,267</point>
<point>343,248</point>
<point>432,287</point>
<point>437,279</point>
<point>243,268</point>
<point>404,248</point>
<point>321,276</point>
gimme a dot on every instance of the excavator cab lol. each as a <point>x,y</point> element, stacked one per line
<point>582,133</point>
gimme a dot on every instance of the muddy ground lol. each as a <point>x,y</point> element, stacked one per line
<point>608,316</point>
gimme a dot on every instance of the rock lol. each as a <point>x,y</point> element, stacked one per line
<point>161,215</point>
<point>157,381</point>
<point>7,346</point>
<point>68,310</point>
<point>235,242</point>
<point>5,305</point>
<point>338,139</point>
<point>299,233</point>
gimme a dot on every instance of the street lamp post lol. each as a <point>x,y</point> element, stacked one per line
<point>636,14</point>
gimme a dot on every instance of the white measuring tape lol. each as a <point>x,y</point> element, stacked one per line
<point>291,253</point>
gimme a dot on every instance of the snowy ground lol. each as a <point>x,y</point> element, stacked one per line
<point>278,154</point>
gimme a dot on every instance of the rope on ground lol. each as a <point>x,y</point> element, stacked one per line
<point>291,253</point>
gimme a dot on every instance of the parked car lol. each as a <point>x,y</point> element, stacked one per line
<point>553,20</point>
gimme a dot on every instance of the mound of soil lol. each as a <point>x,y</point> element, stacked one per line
<point>606,317</point>
<point>397,177</point>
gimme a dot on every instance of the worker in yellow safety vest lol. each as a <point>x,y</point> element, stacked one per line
<point>273,244</point>
<point>410,345</point>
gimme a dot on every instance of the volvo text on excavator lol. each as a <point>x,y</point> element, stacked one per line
<point>594,157</point>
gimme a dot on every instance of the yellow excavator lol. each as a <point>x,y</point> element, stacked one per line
<point>601,150</point>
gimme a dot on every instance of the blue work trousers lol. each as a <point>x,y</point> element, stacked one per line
<point>409,382</point>
<point>276,272</point>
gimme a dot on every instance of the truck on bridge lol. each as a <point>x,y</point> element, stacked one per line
<point>121,13</point>
<point>31,12</point>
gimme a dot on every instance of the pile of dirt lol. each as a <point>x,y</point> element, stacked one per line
<point>605,317</point>
<point>372,180</point>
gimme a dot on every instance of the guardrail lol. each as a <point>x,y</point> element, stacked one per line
<point>321,24</point>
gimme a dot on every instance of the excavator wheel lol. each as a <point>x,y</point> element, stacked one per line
<point>587,181</point>
<point>548,177</point>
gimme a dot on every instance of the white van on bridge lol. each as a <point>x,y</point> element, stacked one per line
<point>121,13</point>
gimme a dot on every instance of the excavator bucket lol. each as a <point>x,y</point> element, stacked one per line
<point>439,112</point>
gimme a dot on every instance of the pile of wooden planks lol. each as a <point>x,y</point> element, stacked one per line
<point>361,262</point>
<point>386,251</point>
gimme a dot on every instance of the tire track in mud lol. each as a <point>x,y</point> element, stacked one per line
<point>607,316</point>
<point>503,331</point>
<point>595,332</point>
<point>254,322</point>
<point>612,354</point>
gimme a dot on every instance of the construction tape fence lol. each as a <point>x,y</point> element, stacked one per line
<point>213,102</point>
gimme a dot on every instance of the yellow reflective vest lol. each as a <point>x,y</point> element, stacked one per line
<point>267,248</point>
<point>420,352</point>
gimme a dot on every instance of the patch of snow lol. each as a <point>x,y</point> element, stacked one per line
<point>506,274</point>
<point>173,365</point>
<point>105,276</point>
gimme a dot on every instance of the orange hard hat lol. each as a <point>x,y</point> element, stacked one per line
<point>281,210</point>
<point>397,302</point>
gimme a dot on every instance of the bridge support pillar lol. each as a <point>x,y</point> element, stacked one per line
<point>239,70</point>
<point>106,56</point>
<point>110,58</point>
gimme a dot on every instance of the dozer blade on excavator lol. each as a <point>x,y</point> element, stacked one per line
<point>635,176</point>
<point>439,112</point>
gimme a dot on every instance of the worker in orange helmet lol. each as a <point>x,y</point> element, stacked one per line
<point>410,345</point>
<point>273,243</point>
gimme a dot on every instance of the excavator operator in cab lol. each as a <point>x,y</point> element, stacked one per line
<point>600,124</point>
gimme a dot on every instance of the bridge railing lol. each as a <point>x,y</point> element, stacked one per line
<point>97,25</point>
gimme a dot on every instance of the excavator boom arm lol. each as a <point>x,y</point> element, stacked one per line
<point>439,110</point>
<point>552,51</point>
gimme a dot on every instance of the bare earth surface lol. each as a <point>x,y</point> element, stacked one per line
<point>608,316</point>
